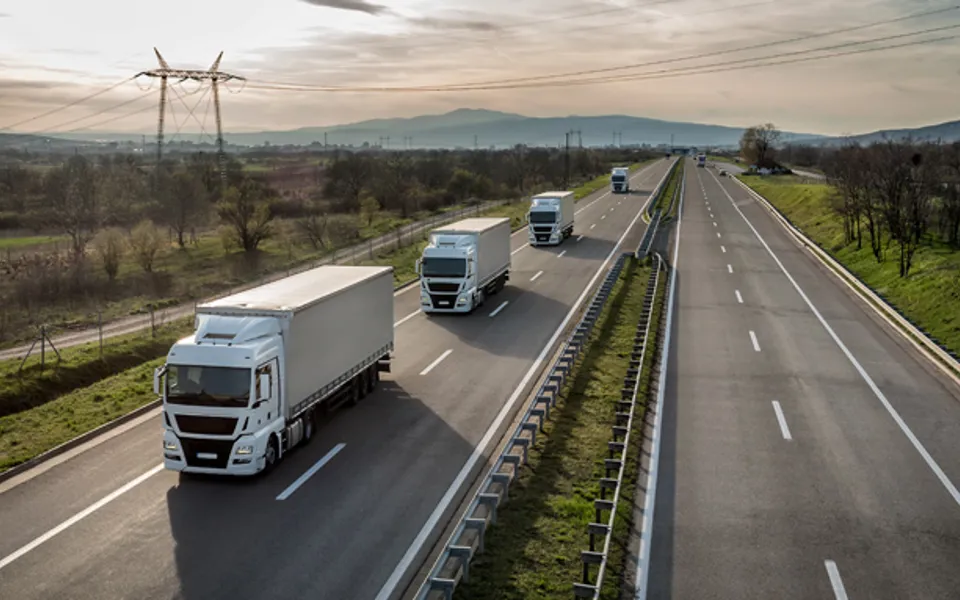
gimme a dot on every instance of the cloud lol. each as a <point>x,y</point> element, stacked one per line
<point>354,5</point>
<point>468,24</point>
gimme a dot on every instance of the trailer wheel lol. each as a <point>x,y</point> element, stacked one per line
<point>372,379</point>
<point>356,389</point>
<point>309,424</point>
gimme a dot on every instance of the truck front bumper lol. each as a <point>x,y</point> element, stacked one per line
<point>243,456</point>
<point>446,303</point>
<point>541,239</point>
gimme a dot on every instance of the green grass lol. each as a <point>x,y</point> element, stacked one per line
<point>80,366</point>
<point>34,240</point>
<point>533,552</point>
<point>929,296</point>
<point>30,433</point>
<point>663,201</point>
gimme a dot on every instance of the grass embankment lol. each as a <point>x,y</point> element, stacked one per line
<point>663,201</point>
<point>929,296</point>
<point>11,243</point>
<point>95,391</point>
<point>533,552</point>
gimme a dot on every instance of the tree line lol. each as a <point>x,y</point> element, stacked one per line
<point>893,192</point>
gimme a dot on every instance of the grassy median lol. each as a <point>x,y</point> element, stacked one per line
<point>670,188</point>
<point>533,552</point>
<point>929,296</point>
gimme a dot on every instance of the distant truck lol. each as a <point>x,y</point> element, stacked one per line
<point>550,219</point>
<point>701,160</point>
<point>463,264</point>
<point>246,386</point>
<point>620,180</point>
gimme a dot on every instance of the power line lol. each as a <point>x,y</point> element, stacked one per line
<point>526,81</point>
<point>68,105</point>
<point>664,73</point>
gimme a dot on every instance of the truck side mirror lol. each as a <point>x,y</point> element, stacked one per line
<point>158,374</point>
<point>416,266</point>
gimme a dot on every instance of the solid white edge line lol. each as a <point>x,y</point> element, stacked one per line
<point>439,360</point>
<point>311,471</point>
<point>646,534</point>
<point>406,318</point>
<point>834,574</point>
<point>739,297</point>
<point>782,420</point>
<point>534,278</point>
<point>497,310</point>
<point>753,340</point>
<point>931,463</point>
<point>6,560</point>
<point>478,451</point>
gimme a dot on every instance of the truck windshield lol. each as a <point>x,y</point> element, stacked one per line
<point>543,216</point>
<point>618,178</point>
<point>444,267</point>
<point>208,386</point>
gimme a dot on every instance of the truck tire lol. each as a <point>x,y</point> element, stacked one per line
<point>372,376</point>
<point>309,425</point>
<point>271,456</point>
<point>357,389</point>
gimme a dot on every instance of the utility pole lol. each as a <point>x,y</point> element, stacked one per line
<point>324,140</point>
<point>215,76</point>
<point>476,143</point>
<point>566,161</point>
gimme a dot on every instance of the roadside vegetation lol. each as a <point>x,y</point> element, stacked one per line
<point>670,188</point>
<point>114,235</point>
<point>890,213</point>
<point>533,551</point>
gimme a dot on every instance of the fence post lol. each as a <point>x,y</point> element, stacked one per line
<point>100,328</point>
<point>43,347</point>
<point>153,323</point>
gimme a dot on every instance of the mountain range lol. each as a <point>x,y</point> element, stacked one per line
<point>486,128</point>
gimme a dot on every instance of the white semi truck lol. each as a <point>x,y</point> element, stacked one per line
<point>246,386</point>
<point>550,219</point>
<point>620,180</point>
<point>463,263</point>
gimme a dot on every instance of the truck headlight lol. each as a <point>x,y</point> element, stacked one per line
<point>245,450</point>
<point>462,300</point>
<point>169,445</point>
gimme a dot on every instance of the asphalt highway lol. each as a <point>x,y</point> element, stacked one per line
<point>107,523</point>
<point>806,451</point>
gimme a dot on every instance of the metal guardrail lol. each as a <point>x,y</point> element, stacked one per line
<point>616,460</point>
<point>643,248</point>
<point>677,193</point>
<point>466,541</point>
<point>659,216</point>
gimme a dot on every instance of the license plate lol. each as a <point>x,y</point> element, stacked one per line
<point>207,455</point>
<point>444,303</point>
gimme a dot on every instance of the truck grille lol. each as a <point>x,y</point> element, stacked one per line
<point>547,230</point>
<point>206,425</point>
<point>220,448</point>
<point>444,287</point>
<point>443,300</point>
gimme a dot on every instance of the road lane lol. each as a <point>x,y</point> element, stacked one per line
<point>740,511</point>
<point>356,515</point>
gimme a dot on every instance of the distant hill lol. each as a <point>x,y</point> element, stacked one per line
<point>491,128</point>
<point>18,141</point>
<point>947,132</point>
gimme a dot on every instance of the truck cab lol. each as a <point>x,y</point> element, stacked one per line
<point>448,275</point>
<point>620,180</point>
<point>550,219</point>
<point>221,399</point>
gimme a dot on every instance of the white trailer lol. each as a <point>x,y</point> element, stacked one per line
<point>463,263</point>
<point>246,386</point>
<point>620,180</point>
<point>550,219</point>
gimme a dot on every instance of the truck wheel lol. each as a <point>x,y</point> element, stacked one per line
<point>309,424</point>
<point>372,379</point>
<point>356,390</point>
<point>270,458</point>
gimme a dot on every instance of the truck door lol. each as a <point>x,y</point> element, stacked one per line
<point>268,406</point>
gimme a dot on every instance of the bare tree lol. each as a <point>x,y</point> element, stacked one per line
<point>897,179</point>
<point>246,212</point>
<point>347,178</point>
<point>949,216</point>
<point>73,203</point>
<point>758,142</point>
<point>146,242</point>
<point>184,204</point>
<point>109,246</point>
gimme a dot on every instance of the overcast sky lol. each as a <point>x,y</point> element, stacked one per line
<point>53,52</point>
